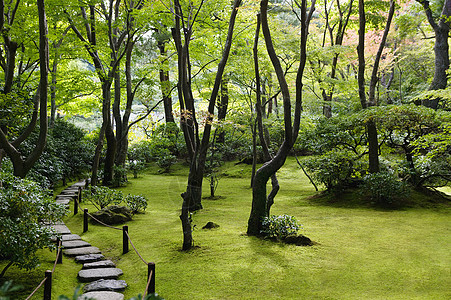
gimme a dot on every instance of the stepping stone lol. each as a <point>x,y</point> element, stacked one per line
<point>63,201</point>
<point>75,244</point>
<point>99,264</point>
<point>80,183</point>
<point>65,197</point>
<point>89,258</point>
<point>61,229</point>
<point>96,274</point>
<point>82,251</point>
<point>102,296</point>
<point>70,237</point>
<point>105,285</point>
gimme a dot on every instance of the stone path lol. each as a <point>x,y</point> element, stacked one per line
<point>100,274</point>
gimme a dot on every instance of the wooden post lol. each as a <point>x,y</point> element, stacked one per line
<point>124,239</point>
<point>75,206</point>
<point>48,285</point>
<point>85,220</point>
<point>151,272</point>
<point>59,252</point>
<point>79,194</point>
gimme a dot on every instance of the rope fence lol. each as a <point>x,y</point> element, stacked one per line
<point>150,287</point>
<point>48,277</point>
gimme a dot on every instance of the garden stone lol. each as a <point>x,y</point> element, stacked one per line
<point>89,258</point>
<point>61,229</point>
<point>102,296</point>
<point>63,201</point>
<point>70,237</point>
<point>210,225</point>
<point>298,240</point>
<point>113,214</point>
<point>99,264</point>
<point>82,251</point>
<point>105,285</point>
<point>89,275</point>
<point>75,244</point>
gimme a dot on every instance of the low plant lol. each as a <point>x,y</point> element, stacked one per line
<point>102,196</point>
<point>136,203</point>
<point>385,190</point>
<point>280,226</point>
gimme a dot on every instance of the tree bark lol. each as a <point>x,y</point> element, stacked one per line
<point>196,148</point>
<point>165,83</point>
<point>260,201</point>
<point>441,47</point>
<point>23,165</point>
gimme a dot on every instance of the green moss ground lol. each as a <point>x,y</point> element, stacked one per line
<point>361,252</point>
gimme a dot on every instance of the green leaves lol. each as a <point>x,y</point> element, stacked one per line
<point>24,210</point>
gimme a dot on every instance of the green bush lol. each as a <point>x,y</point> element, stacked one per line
<point>280,226</point>
<point>336,169</point>
<point>25,209</point>
<point>136,203</point>
<point>385,190</point>
<point>102,196</point>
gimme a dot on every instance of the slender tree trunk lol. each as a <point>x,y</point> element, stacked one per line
<point>165,84</point>
<point>260,201</point>
<point>222,107</point>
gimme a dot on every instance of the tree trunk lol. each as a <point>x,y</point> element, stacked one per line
<point>97,153</point>
<point>260,202</point>
<point>222,107</point>
<point>165,84</point>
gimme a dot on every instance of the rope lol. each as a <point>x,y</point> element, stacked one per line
<point>57,255</point>
<point>135,249</point>
<point>148,282</point>
<point>37,288</point>
<point>97,220</point>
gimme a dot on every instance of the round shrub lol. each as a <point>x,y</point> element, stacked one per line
<point>136,203</point>
<point>385,190</point>
<point>280,226</point>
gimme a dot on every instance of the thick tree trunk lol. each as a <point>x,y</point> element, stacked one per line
<point>97,153</point>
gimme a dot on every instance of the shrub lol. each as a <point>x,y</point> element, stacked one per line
<point>385,190</point>
<point>119,176</point>
<point>24,207</point>
<point>280,226</point>
<point>136,203</point>
<point>102,196</point>
<point>336,169</point>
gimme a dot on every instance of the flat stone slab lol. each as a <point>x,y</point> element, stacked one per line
<point>102,296</point>
<point>63,201</point>
<point>82,251</point>
<point>105,285</point>
<point>80,183</point>
<point>89,258</point>
<point>70,237</point>
<point>96,274</point>
<point>61,229</point>
<point>75,244</point>
<point>99,264</point>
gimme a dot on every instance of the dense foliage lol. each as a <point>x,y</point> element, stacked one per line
<point>25,212</point>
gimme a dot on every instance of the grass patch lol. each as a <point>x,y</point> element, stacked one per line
<point>362,253</point>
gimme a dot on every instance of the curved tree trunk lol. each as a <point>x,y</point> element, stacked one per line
<point>260,202</point>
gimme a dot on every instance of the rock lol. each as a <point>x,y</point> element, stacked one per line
<point>83,259</point>
<point>101,296</point>
<point>89,275</point>
<point>113,214</point>
<point>61,229</point>
<point>105,285</point>
<point>75,244</point>
<point>70,237</point>
<point>210,225</point>
<point>299,240</point>
<point>81,251</point>
<point>63,201</point>
<point>99,264</point>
